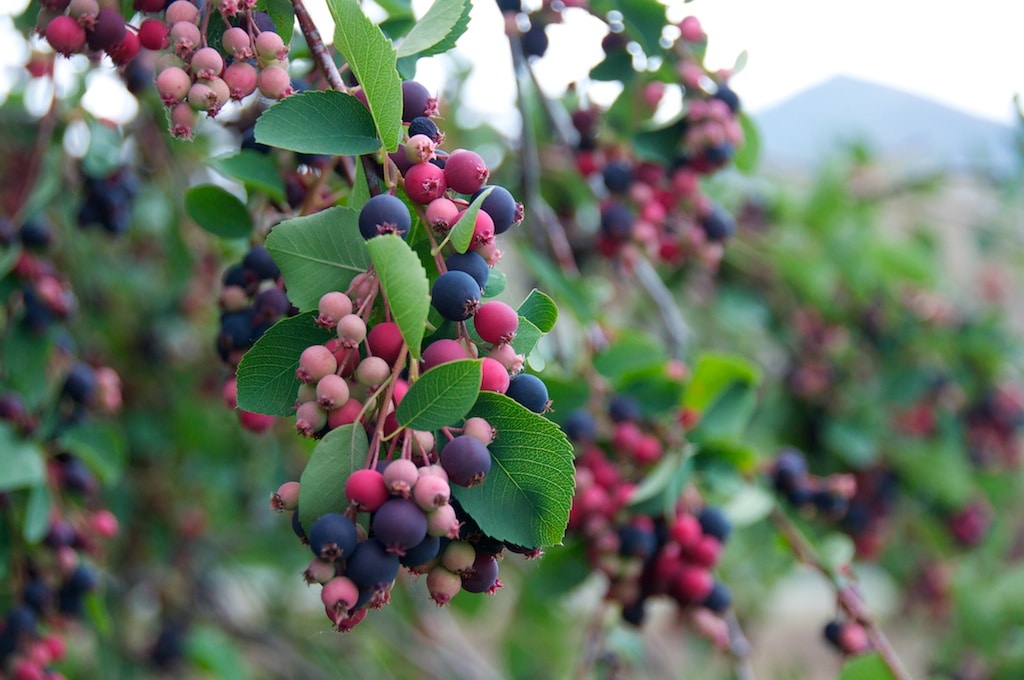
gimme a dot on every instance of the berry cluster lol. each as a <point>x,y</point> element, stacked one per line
<point>50,579</point>
<point>83,27</point>
<point>847,636</point>
<point>400,513</point>
<point>108,201</point>
<point>252,299</point>
<point>827,497</point>
<point>643,555</point>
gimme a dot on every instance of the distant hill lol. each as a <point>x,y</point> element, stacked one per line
<point>902,128</point>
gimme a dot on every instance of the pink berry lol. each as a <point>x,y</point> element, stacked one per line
<point>351,330</point>
<point>319,571</point>
<point>104,523</point>
<point>309,418</point>
<point>315,362</point>
<point>221,92</point>
<point>443,522</point>
<point>366,490</point>
<point>339,595</point>
<point>84,12</point>
<point>173,85</point>
<point>237,43</point>
<point>420,149</point>
<point>241,78</point>
<point>466,171</point>
<point>65,35</point>
<point>153,35</point>
<point>285,498</point>
<point>183,121</point>
<point>443,351</point>
<point>505,355</point>
<point>181,10</point>
<point>483,230</point>
<point>185,37</point>
<point>270,47</point>
<point>255,422</point>
<point>495,377</point>
<point>423,442</point>
<point>496,322</point>
<point>479,429</point>
<point>229,393</point>
<point>431,492</point>
<point>400,475</point>
<point>686,531</point>
<point>691,584</point>
<point>385,341</point>
<point>372,371</point>
<point>690,29</point>
<point>441,214</point>
<point>332,392</point>
<point>443,585</point>
<point>206,63</point>
<point>332,307</point>
<point>425,182</point>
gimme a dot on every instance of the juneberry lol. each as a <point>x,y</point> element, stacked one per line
<point>425,182</point>
<point>351,330</point>
<point>332,392</point>
<point>618,176</point>
<point>496,322</point>
<point>484,575</point>
<point>332,307</point>
<point>718,224</point>
<point>107,31</point>
<point>456,295</point>
<point>366,490</point>
<point>385,341</point>
<point>442,214</point>
<point>339,596</point>
<point>580,426</point>
<point>713,522</point>
<point>494,376</point>
<point>260,264</point>
<point>466,460</point>
<point>431,492</point>
<point>466,171</point>
<point>535,40</point>
<point>617,221</point>
<point>333,537</point>
<point>471,263</point>
<point>371,566</point>
<point>479,428</point>
<point>422,553</point>
<point>400,476</point>
<point>315,362</point>
<point>384,214</point>
<point>372,371</point>
<point>422,125</point>
<point>416,101</point>
<point>530,391</point>
<point>719,599</point>
<point>443,584</point>
<point>443,522</point>
<point>399,524</point>
<point>501,206</point>
<point>310,418</point>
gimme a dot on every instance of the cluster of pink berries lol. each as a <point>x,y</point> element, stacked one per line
<point>412,522</point>
<point>195,77</point>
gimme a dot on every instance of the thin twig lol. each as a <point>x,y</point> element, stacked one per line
<point>679,333</point>
<point>317,48</point>
<point>739,648</point>
<point>847,595</point>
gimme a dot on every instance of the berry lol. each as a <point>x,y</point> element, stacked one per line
<point>339,596</point>
<point>535,40</point>
<point>714,523</point>
<point>260,264</point>
<point>471,263</point>
<point>442,213</point>
<point>80,385</point>
<point>309,419</point>
<point>726,95</point>
<point>466,460</point>
<point>286,497</point>
<point>443,585</point>
<point>530,391</point>
<point>618,176</point>
<point>125,50</point>
<point>718,224</point>
<point>384,214</point>
<point>183,11</point>
<point>580,426</point>
<point>459,557</point>
<point>372,371</point>
<point>480,429</point>
<point>466,172</point>
<point>501,206</point>
<point>185,36</point>
<point>385,341</point>
<point>274,82</point>
<point>421,125</point>
<point>332,307</point>
<point>719,599</point>
<point>420,149</point>
<point>399,524</point>
<point>65,35</point>
<point>692,584</point>
<point>270,47</point>
<point>319,571</point>
<point>153,35</point>
<point>371,567</point>
<point>351,330</point>
<point>623,408</point>
<point>366,490</point>
<point>444,522</point>
<point>315,362</point>
<point>416,101</point>
<point>617,221</point>
<point>425,182</point>
<point>237,43</point>
<point>400,475</point>
<point>690,29</point>
<point>241,78</point>
<point>333,537</point>
<point>431,492</point>
<point>456,295</point>
<point>422,553</point>
<point>685,530</point>
<point>494,376</point>
<point>496,322</point>
<point>484,576</point>
<point>206,63</point>
<point>332,392</point>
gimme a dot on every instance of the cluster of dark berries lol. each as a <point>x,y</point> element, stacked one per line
<point>411,521</point>
<point>252,300</point>
<point>643,555</point>
<point>43,295</point>
<point>994,423</point>
<point>826,497</point>
<point>194,76</point>
<point>83,27</point>
<point>108,201</point>
<point>847,636</point>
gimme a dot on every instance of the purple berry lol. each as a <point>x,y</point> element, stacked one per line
<point>333,537</point>
<point>501,206</point>
<point>371,567</point>
<point>484,576</point>
<point>416,101</point>
<point>384,214</point>
<point>466,460</point>
<point>399,524</point>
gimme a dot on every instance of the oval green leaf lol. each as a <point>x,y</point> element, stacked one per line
<point>442,396</point>
<point>462,233</point>
<point>255,170</point>
<point>404,282</point>
<point>528,492</point>
<point>322,484</point>
<point>218,211</point>
<point>266,374</point>
<point>21,465</point>
<point>437,30</point>
<point>540,309</point>
<point>343,125</point>
<point>318,253</point>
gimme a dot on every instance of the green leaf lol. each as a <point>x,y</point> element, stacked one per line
<point>266,374</point>
<point>442,396</point>
<point>282,14</point>
<point>749,154</point>
<point>25,357</point>
<point>101,446</point>
<point>372,59</point>
<point>461,236</point>
<point>659,491</point>
<point>728,416</point>
<point>360,188</point>
<point>866,667</point>
<point>527,337</point>
<point>713,374</point>
<point>342,125</point>
<point>322,485</point>
<point>218,211</point>
<point>654,389</point>
<point>526,496</point>
<point>404,282</point>
<point>104,154</point>
<point>540,309</point>
<point>21,461</point>
<point>210,649</point>
<point>495,283</point>
<point>629,353</point>
<point>257,171</point>
<point>37,514</point>
<point>437,30</point>
<point>318,253</point>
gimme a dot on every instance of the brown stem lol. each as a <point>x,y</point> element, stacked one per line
<point>37,159</point>
<point>679,333</point>
<point>317,48</point>
<point>848,597</point>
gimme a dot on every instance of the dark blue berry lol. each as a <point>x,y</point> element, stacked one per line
<point>635,541</point>
<point>617,221</point>
<point>456,295</point>
<point>333,537</point>
<point>718,224</point>
<point>832,632</point>
<point>713,522</point>
<point>384,214</point>
<point>297,527</point>
<point>719,154</point>
<point>234,276</point>
<point>634,612</point>
<point>790,470</point>
<point>618,176</point>
<point>535,40</point>
<point>727,95</point>
<point>80,385</point>
<point>38,596</point>
<point>719,599</point>
<point>472,263</point>
<point>500,205</point>
<point>421,125</point>
<point>21,621</point>
<point>623,408</point>
<point>371,567</point>
<point>36,234</point>
<point>530,391</point>
<point>423,552</point>
<point>580,426</point>
<point>260,264</point>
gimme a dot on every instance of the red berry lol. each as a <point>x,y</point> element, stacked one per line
<point>366,490</point>
<point>65,35</point>
<point>385,341</point>
<point>241,78</point>
<point>495,376</point>
<point>425,182</point>
<point>496,322</point>
<point>691,584</point>
<point>125,51</point>
<point>153,35</point>
<point>466,171</point>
